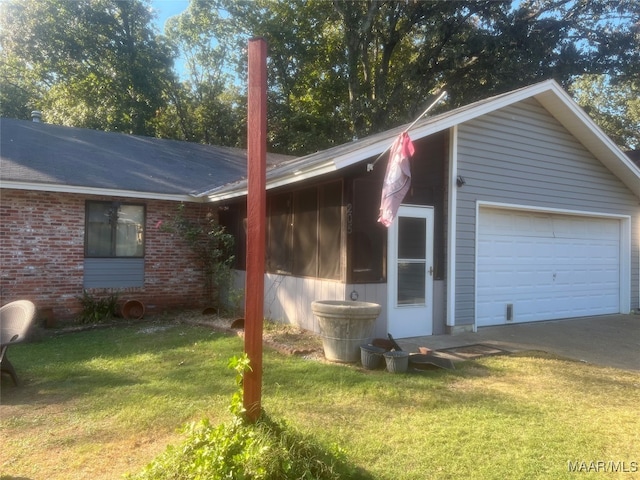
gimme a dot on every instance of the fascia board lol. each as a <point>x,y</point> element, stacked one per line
<point>352,157</point>
<point>97,191</point>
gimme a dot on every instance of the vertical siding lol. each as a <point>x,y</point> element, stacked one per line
<point>522,155</point>
<point>287,299</point>
<point>376,293</point>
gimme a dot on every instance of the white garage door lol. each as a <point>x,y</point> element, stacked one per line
<point>538,266</point>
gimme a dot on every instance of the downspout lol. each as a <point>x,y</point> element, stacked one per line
<point>451,227</point>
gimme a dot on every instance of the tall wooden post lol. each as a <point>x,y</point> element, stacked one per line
<point>256,220</point>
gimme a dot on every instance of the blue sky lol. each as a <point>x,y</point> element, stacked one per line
<point>165,9</point>
<point>168,8</point>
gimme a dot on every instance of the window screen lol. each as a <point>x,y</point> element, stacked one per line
<point>279,252</point>
<point>114,229</point>
<point>305,229</point>
<point>305,232</point>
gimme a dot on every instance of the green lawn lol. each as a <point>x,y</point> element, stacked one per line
<point>100,403</point>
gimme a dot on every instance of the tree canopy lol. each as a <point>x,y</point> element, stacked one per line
<point>338,70</point>
<point>86,63</point>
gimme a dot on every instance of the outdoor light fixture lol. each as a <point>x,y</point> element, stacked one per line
<point>460,181</point>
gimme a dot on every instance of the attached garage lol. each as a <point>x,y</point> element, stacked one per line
<point>534,266</point>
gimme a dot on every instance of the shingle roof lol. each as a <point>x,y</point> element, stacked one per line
<point>40,156</point>
<point>52,155</point>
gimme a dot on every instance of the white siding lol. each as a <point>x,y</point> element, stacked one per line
<point>288,299</point>
<point>522,155</point>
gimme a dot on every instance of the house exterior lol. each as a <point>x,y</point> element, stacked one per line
<point>520,210</point>
<point>82,210</point>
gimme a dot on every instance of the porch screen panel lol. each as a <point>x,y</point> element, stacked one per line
<point>367,237</point>
<point>233,218</point>
<point>279,250</point>
<point>330,230</point>
<point>305,232</point>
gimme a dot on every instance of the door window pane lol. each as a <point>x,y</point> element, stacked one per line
<point>412,238</point>
<point>411,283</point>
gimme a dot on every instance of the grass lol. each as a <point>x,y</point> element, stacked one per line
<point>101,403</point>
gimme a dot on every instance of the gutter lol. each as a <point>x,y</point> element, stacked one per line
<point>99,191</point>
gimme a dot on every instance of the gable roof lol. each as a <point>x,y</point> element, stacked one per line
<point>40,156</point>
<point>549,93</point>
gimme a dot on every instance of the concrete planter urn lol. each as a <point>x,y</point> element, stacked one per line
<point>344,326</point>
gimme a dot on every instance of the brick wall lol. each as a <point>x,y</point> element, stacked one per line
<point>42,254</point>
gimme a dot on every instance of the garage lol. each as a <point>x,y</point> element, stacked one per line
<point>534,266</point>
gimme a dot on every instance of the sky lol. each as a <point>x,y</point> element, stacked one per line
<point>168,8</point>
<point>165,9</point>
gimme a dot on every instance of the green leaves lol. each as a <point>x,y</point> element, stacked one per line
<point>97,309</point>
<point>617,111</point>
<point>212,246</point>
<point>94,63</point>
<point>337,70</point>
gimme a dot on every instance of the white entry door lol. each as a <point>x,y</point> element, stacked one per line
<point>410,272</point>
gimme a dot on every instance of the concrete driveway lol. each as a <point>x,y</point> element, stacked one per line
<point>608,340</point>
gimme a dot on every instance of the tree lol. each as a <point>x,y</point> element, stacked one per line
<point>88,63</point>
<point>337,70</point>
<point>346,69</point>
<point>205,106</point>
<point>617,112</point>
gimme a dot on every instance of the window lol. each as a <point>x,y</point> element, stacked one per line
<point>114,229</point>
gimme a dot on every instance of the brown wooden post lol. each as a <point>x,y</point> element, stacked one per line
<point>256,220</point>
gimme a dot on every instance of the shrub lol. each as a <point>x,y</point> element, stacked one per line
<point>96,310</point>
<point>213,247</point>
